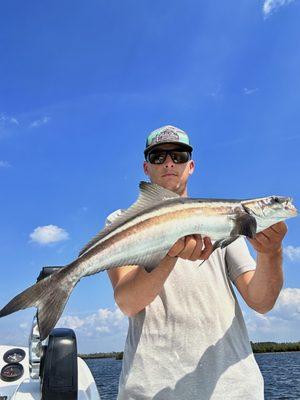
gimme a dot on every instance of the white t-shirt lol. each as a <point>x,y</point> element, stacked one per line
<point>191,342</point>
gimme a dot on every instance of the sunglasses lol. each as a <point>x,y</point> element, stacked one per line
<point>159,156</point>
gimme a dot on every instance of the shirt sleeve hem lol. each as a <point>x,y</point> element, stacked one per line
<point>242,269</point>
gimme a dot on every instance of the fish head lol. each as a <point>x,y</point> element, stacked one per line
<point>277,208</point>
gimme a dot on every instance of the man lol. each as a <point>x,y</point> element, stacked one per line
<point>187,339</point>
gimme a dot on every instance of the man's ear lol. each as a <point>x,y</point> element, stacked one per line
<point>146,168</point>
<point>191,167</point>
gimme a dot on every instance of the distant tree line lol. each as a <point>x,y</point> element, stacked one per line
<point>270,347</point>
<point>118,355</point>
<point>260,347</point>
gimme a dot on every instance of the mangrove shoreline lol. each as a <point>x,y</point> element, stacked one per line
<point>259,347</point>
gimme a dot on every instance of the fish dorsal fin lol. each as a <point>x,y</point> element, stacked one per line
<point>150,194</point>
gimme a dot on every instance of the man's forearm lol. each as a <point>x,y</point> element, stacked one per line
<point>266,283</point>
<point>139,288</point>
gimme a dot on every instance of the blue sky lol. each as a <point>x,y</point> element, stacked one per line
<point>81,86</point>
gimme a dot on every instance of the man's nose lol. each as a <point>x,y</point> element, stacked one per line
<point>169,163</point>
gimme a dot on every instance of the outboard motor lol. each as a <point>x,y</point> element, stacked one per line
<point>59,380</point>
<point>55,363</point>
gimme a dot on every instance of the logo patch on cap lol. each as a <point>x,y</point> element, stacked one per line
<point>166,136</point>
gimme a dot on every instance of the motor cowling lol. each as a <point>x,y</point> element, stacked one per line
<point>58,369</point>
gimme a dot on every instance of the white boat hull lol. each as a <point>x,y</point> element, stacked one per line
<point>27,388</point>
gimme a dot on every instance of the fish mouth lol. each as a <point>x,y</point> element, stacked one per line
<point>290,213</point>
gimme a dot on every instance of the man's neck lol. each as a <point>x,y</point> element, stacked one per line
<point>181,193</point>
<point>184,194</point>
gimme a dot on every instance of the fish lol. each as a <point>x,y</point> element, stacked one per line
<point>143,234</point>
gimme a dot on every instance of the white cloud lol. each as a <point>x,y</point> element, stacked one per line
<point>281,324</point>
<point>216,92</point>
<point>102,329</point>
<point>7,124</point>
<point>48,234</point>
<point>272,5</point>
<point>14,121</point>
<point>102,321</point>
<point>250,91</point>
<point>293,253</point>
<point>5,120</point>
<point>4,164</point>
<point>39,122</point>
<point>288,304</point>
<point>10,124</point>
<point>72,322</point>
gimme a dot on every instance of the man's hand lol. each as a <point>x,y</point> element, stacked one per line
<point>260,289</point>
<point>269,241</point>
<point>190,248</point>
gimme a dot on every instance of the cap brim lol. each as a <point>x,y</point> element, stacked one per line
<point>179,144</point>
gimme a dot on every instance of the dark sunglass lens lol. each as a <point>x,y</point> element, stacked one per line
<point>180,157</point>
<point>157,157</point>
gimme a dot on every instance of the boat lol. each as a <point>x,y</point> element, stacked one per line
<point>47,370</point>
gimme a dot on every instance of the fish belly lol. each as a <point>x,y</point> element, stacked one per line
<point>155,240</point>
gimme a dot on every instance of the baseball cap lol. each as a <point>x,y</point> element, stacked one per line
<point>167,134</point>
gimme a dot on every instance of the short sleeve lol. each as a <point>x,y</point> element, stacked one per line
<point>238,259</point>
<point>111,217</point>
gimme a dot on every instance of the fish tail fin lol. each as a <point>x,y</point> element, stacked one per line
<point>49,295</point>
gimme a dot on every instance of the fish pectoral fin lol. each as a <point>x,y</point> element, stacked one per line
<point>226,242</point>
<point>201,263</point>
<point>220,244</point>
<point>245,225</point>
<point>223,243</point>
<point>216,245</point>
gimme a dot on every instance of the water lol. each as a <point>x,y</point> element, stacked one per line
<point>281,372</point>
<point>106,373</point>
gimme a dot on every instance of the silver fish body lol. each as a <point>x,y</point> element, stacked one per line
<point>144,235</point>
